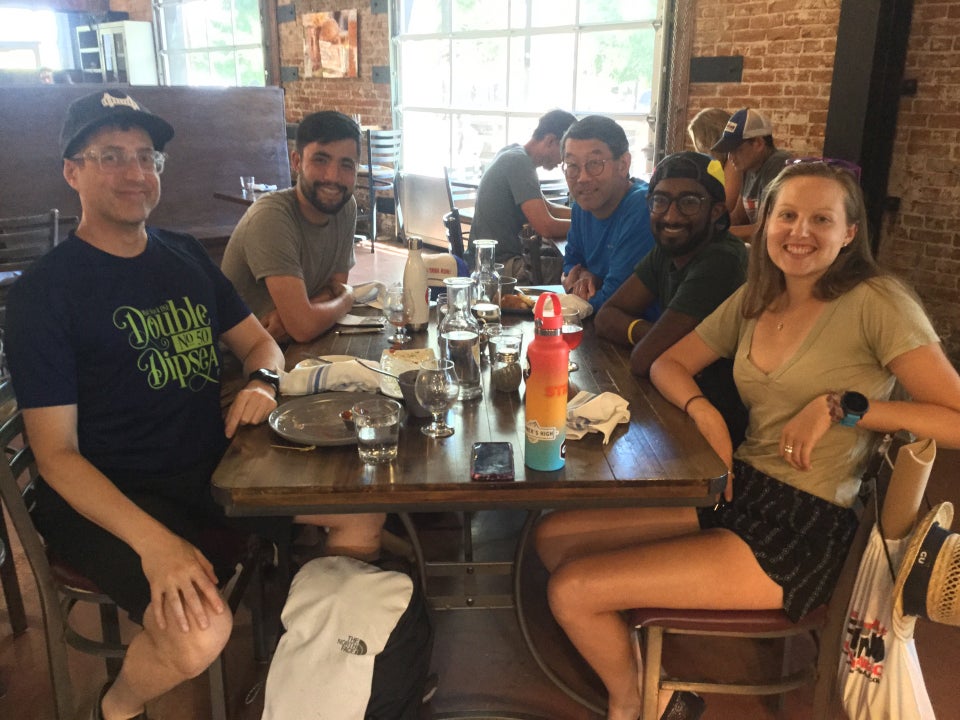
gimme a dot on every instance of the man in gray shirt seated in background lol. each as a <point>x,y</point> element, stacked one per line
<point>748,138</point>
<point>509,195</point>
<point>290,254</point>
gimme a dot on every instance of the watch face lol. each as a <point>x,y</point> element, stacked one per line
<point>854,402</point>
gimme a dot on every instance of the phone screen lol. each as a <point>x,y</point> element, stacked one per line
<point>492,461</point>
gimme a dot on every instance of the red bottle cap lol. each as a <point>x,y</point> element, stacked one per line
<point>548,318</point>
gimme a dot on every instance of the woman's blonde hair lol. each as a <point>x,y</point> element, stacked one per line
<point>705,130</point>
<point>854,264</point>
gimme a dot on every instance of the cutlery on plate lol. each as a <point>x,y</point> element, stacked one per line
<point>298,448</point>
<point>360,330</point>
<point>377,370</point>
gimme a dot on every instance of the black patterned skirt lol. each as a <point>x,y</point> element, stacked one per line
<point>800,540</point>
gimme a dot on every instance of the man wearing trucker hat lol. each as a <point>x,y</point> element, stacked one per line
<point>748,138</point>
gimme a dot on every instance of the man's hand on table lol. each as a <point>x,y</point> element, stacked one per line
<point>253,405</point>
<point>581,282</point>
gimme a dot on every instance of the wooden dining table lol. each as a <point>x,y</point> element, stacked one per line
<point>658,458</point>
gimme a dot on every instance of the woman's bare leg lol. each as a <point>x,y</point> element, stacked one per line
<point>710,569</point>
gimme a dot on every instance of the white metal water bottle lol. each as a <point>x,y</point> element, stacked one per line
<point>415,300</point>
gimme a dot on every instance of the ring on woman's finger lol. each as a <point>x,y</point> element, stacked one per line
<point>788,448</point>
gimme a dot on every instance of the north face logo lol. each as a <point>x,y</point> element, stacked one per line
<point>352,645</point>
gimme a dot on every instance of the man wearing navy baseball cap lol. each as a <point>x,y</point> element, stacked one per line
<point>748,138</point>
<point>113,343</point>
<point>694,266</point>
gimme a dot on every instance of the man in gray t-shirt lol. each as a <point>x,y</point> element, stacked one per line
<point>290,255</point>
<point>748,138</point>
<point>509,194</point>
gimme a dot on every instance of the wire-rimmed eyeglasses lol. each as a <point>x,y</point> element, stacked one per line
<point>688,204</point>
<point>113,160</point>
<point>838,163</point>
<point>571,171</point>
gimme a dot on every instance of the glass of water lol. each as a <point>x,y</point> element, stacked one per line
<point>377,425</point>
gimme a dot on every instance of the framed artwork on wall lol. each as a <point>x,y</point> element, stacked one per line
<point>330,44</point>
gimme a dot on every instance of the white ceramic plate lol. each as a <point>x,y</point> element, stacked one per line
<point>398,361</point>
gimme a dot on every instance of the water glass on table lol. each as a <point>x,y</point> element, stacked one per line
<point>436,389</point>
<point>377,427</point>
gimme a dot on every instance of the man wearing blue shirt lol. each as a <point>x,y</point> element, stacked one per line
<point>610,222</point>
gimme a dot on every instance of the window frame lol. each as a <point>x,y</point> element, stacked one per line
<point>643,157</point>
<point>268,45</point>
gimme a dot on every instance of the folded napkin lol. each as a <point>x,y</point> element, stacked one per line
<point>589,412</point>
<point>369,293</point>
<point>311,376</point>
<point>573,302</point>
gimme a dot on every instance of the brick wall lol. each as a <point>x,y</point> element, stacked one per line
<point>788,47</point>
<point>349,95</point>
<point>921,241</point>
<point>138,9</point>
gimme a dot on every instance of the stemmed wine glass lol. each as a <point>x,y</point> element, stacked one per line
<point>436,388</point>
<point>572,333</point>
<point>394,311</point>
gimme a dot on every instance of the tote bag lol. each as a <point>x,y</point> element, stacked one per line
<point>880,677</point>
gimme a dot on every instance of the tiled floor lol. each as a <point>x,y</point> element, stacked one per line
<point>479,655</point>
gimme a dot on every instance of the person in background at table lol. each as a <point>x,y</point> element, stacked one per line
<point>509,195</point>
<point>610,223</point>
<point>748,138</point>
<point>694,266</point>
<point>113,344</point>
<point>705,131</point>
<point>819,335</point>
<point>291,253</point>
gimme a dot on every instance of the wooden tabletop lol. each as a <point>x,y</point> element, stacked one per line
<point>659,458</point>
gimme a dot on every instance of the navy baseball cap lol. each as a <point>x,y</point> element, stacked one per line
<point>91,112</point>
<point>743,125</point>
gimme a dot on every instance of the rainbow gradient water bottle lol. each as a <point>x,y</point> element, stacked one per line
<point>545,402</point>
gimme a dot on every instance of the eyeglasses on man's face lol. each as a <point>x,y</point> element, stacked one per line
<point>115,159</point>
<point>688,204</point>
<point>593,167</point>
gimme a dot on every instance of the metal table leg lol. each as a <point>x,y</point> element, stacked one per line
<point>532,516</point>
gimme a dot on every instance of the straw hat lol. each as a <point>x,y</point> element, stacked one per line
<point>928,581</point>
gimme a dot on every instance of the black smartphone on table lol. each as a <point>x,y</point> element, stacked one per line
<point>491,461</point>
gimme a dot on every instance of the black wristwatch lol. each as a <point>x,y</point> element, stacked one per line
<point>854,406</point>
<point>269,377</point>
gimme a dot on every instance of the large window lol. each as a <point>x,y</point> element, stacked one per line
<point>210,42</point>
<point>474,75</point>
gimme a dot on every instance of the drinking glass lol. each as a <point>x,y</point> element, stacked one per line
<point>436,388</point>
<point>572,333</point>
<point>377,427</point>
<point>394,311</point>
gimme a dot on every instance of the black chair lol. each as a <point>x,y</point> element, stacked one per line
<point>462,197</point>
<point>380,177</point>
<point>60,587</point>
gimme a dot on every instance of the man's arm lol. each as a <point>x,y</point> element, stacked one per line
<point>251,343</point>
<point>542,218</point>
<point>619,321</point>
<point>180,577</point>
<point>302,317</point>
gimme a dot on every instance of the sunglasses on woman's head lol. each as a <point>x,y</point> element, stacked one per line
<point>844,165</point>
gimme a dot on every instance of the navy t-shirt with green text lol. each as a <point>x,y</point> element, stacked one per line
<point>133,343</point>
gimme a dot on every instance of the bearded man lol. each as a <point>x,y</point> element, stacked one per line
<point>291,253</point>
<point>694,266</point>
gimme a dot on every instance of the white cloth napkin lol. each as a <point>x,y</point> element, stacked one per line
<point>588,412</point>
<point>369,293</point>
<point>573,302</point>
<point>312,376</point>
